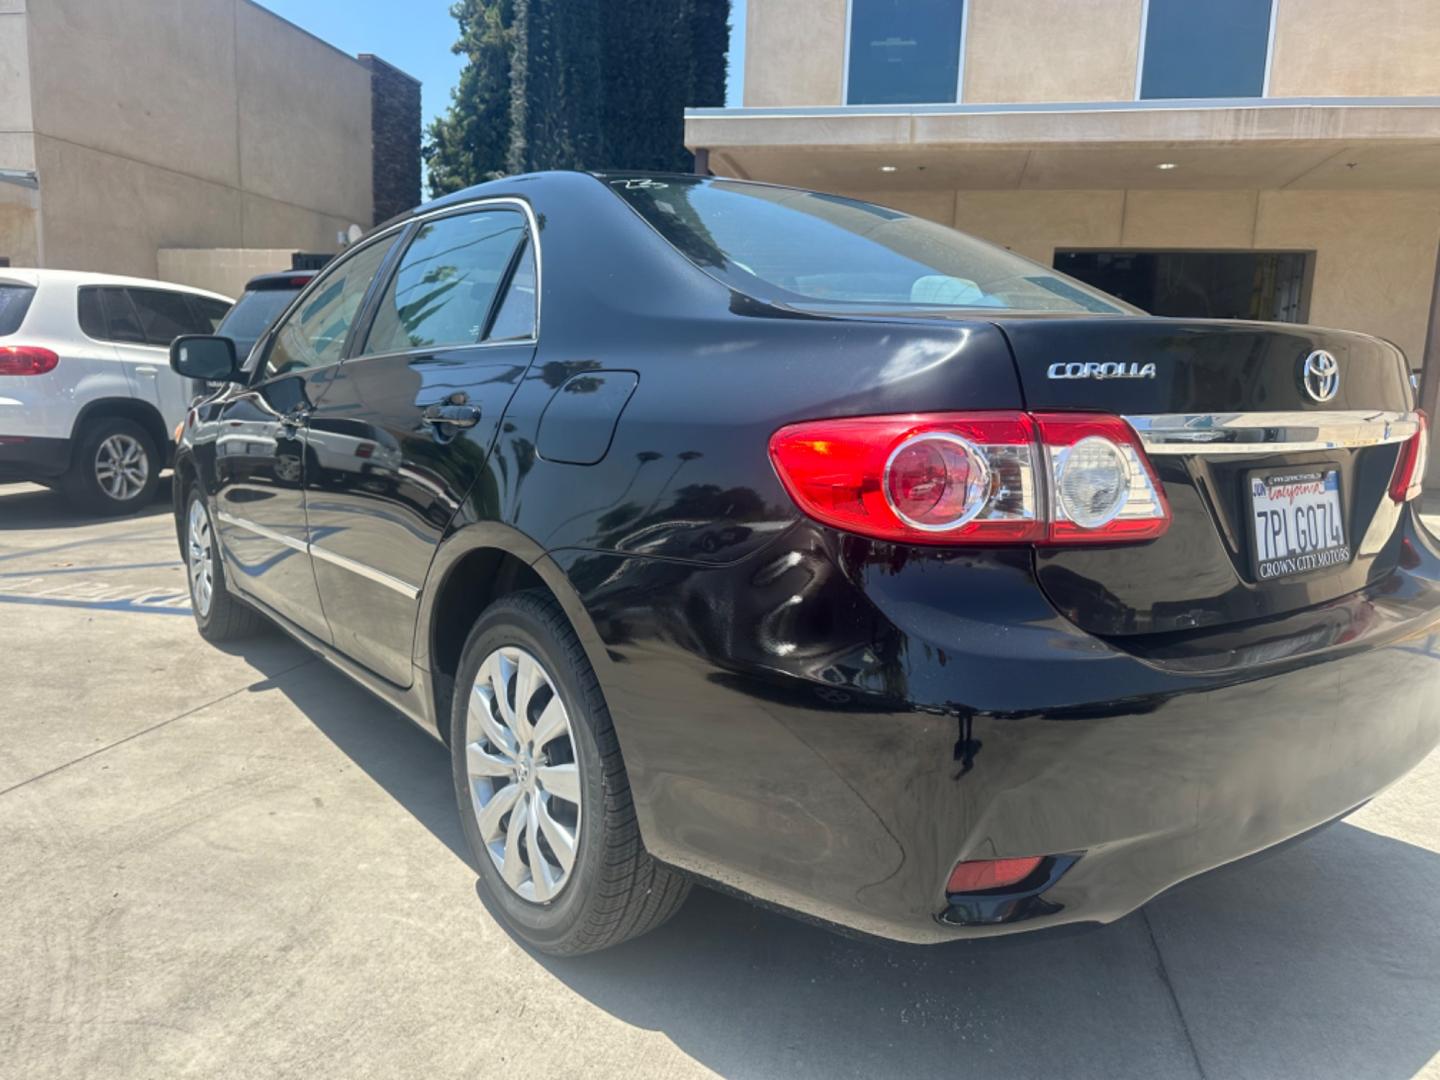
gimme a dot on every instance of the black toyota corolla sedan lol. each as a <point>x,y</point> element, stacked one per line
<point>736,533</point>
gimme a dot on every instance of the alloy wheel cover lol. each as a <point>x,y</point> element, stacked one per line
<point>523,774</point>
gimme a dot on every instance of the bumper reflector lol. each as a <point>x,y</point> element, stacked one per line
<point>983,874</point>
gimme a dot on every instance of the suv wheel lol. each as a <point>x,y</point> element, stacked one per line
<point>115,470</point>
<point>218,614</point>
<point>544,800</point>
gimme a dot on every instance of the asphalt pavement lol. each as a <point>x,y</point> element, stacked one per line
<point>236,863</point>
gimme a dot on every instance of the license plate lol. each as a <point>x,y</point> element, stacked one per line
<point>1298,522</point>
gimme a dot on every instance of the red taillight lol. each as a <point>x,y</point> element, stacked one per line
<point>931,479</point>
<point>1102,488</point>
<point>1409,476</point>
<point>983,874</point>
<point>974,478</point>
<point>26,360</point>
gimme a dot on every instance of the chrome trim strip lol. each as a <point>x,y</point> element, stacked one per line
<point>1211,434</point>
<point>261,530</point>
<point>367,572</point>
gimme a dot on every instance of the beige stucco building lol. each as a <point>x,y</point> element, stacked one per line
<point>1128,141</point>
<point>131,128</point>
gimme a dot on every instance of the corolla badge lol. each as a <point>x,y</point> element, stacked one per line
<point>1093,370</point>
<point>1322,375</point>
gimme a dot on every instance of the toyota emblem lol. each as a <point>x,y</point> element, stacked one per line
<point>1322,375</point>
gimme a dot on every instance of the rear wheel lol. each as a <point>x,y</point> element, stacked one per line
<point>544,800</point>
<point>115,469</point>
<point>218,614</point>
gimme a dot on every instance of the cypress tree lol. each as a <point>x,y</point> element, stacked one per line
<point>471,142</point>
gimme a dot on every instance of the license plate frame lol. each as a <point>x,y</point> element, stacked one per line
<point>1267,562</point>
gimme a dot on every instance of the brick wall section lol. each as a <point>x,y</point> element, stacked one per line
<point>395,137</point>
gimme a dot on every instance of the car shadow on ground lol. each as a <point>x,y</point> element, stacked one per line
<point>30,507</point>
<point>1320,961</point>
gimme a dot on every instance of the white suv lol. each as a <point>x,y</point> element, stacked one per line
<point>87,398</point>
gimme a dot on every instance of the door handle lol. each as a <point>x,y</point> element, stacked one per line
<point>454,415</point>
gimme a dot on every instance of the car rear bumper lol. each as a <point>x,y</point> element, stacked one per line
<point>836,724</point>
<point>32,458</point>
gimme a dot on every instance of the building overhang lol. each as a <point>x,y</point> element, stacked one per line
<point>1326,143</point>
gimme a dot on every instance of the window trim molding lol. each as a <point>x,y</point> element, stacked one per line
<point>959,67</point>
<point>1144,35</point>
<point>355,350</point>
<point>399,230</point>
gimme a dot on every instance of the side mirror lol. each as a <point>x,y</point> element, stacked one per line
<point>207,357</point>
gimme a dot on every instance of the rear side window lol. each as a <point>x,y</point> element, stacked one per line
<point>209,314</point>
<point>106,314</point>
<point>14,302</point>
<point>146,316</point>
<point>516,317</point>
<point>444,290</point>
<point>164,316</point>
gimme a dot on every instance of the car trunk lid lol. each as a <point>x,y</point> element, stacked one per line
<point>1232,420</point>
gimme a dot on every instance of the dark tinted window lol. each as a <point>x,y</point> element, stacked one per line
<point>14,302</point>
<point>823,251</point>
<point>904,51</point>
<point>252,315</point>
<point>1214,49</point>
<point>106,314</point>
<point>210,313</point>
<point>446,283</point>
<point>92,316</point>
<point>314,333</point>
<point>1267,285</point>
<point>164,316</point>
<point>516,317</point>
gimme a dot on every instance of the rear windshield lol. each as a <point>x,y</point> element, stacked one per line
<point>823,251</point>
<point>252,315</point>
<point>14,302</point>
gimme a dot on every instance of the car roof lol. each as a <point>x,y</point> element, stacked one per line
<point>516,185</point>
<point>36,277</point>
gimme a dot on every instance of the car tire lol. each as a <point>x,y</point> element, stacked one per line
<point>219,614</point>
<point>613,889</point>
<point>115,468</point>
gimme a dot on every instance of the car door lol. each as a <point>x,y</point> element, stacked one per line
<point>260,450</point>
<point>143,323</point>
<point>406,426</point>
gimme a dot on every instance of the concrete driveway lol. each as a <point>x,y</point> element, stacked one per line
<point>237,864</point>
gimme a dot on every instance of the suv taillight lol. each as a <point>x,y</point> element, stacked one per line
<point>1409,476</point>
<point>26,360</point>
<point>974,478</point>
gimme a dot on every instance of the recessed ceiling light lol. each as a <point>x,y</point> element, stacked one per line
<point>1166,165</point>
<point>887,168</point>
